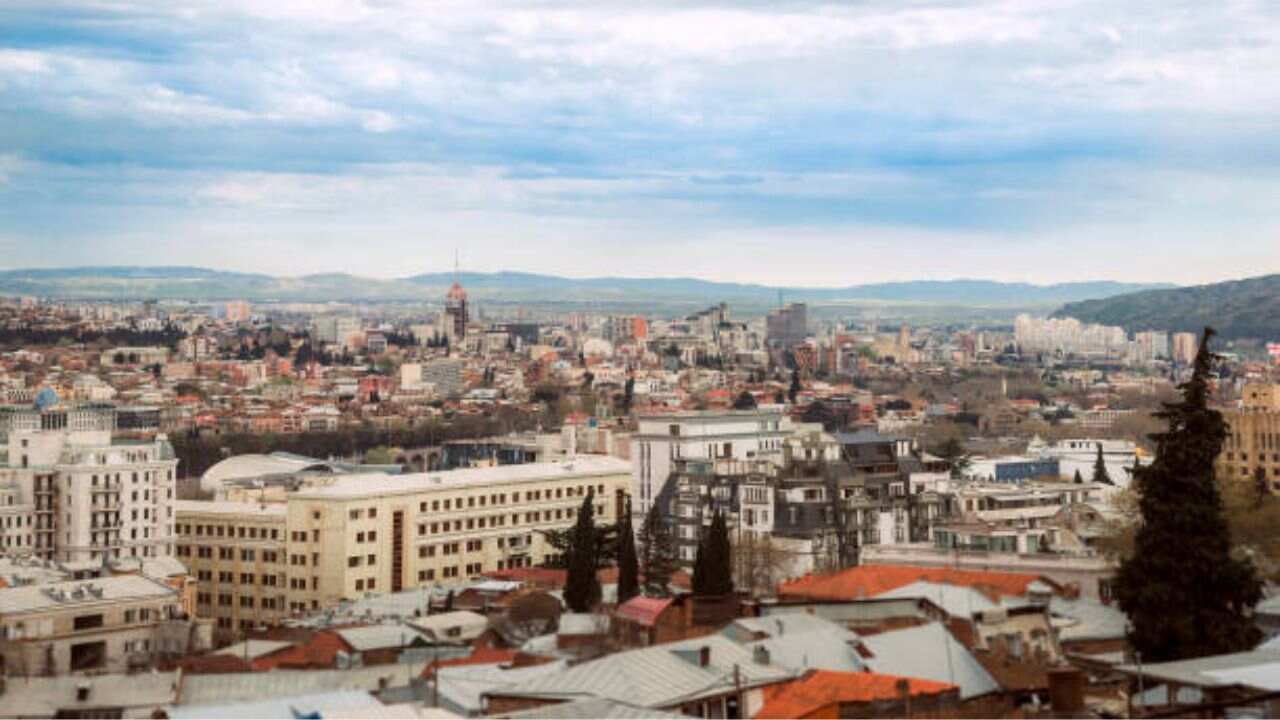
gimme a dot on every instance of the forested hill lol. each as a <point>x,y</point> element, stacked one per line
<point>1237,309</point>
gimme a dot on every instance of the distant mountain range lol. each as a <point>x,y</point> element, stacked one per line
<point>1237,309</point>
<point>194,283</point>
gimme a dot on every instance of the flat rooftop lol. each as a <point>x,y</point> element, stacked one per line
<point>223,507</point>
<point>52,596</point>
<point>374,485</point>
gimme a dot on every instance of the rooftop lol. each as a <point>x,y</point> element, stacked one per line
<point>224,507</point>
<point>865,581</point>
<point>35,598</point>
<point>376,485</point>
<point>822,688</point>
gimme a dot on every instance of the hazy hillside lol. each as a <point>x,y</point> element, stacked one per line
<point>1238,309</point>
<point>204,284</point>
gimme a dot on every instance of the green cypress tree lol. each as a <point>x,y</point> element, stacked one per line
<point>628,566</point>
<point>582,587</point>
<point>1100,474</point>
<point>1184,593</point>
<point>658,554</point>
<point>1078,479</point>
<point>713,567</point>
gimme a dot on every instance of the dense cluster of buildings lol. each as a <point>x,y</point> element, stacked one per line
<point>880,571</point>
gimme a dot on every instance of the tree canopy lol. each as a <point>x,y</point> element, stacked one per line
<point>1185,593</point>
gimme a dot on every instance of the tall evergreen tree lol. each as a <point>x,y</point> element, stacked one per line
<point>628,565</point>
<point>1185,594</point>
<point>744,401</point>
<point>794,390</point>
<point>1100,474</point>
<point>582,587</point>
<point>713,566</point>
<point>657,554</point>
<point>1078,478</point>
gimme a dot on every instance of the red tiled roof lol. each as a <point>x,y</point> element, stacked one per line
<point>643,610</point>
<point>319,651</point>
<point>823,688</point>
<point>867,581</point>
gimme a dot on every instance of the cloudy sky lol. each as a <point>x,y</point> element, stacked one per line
<point>769,141</point>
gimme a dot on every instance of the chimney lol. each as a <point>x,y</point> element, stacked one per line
<point>1066,691</point>
<point>760,654</point>
<point>704,656</point>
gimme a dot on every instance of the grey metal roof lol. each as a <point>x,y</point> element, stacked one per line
<point>378,637</point>
<point>955,600</point>
<point>1256,669</point>
<point>657,676</point>
<point>214,688</point>
<point>462,688</point>
<point>138,694</point>
<point>1084,619</point>
<point>337,704</point>
<point>594,709</point>
<point>929,652</point>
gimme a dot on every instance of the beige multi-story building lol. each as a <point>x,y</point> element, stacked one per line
<point>236,553</point>
<point>72,492</point>
<point>365,533</point>
<point>1252,447</point>
<point>108,624</point>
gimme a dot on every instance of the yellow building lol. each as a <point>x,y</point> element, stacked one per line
<point>385,533</point>
<point>236,553</point>
<point>1253,439</point>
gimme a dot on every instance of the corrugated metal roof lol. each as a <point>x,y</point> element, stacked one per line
<point>658,676</point>
<point>929,652</point>
<point>338,704</point>
<point>378,637</point>
<point>1257,668</point>
<point>594,709</point>
<point>231,687</point>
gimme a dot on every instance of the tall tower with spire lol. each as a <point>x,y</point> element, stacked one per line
<point>455,304</point>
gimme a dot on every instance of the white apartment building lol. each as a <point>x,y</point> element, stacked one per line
<point>730,434</point>
<point>74,494</point>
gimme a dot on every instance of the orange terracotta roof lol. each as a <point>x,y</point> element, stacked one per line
<point>319,651</point>
<point>823,688</point>
<point>867,581</point>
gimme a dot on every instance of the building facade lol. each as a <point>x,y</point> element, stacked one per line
<point>236,552</point>
<point>77,494</point>
<point>366,533</point>
<point>661,440</point>
<point>1251,451</point>
<point>109,624</point>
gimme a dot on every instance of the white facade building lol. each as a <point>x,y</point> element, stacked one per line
<point>84,496</point>
<point>732,434</point>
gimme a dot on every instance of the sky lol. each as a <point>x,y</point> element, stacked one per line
<point>761,141</point>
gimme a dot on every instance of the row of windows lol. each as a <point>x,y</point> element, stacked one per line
<point>229,553</point>
<point>480,523</point>
<point>250,533</point>
<point>227,600</point>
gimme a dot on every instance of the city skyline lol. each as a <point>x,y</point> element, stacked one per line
<point>793,144</point>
